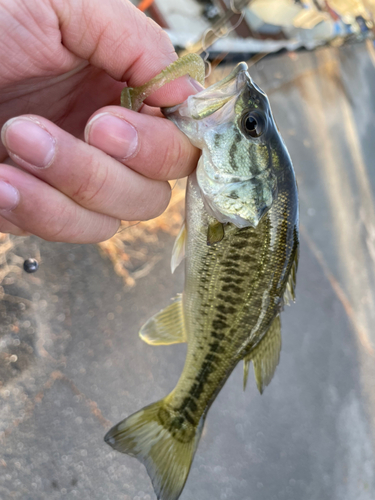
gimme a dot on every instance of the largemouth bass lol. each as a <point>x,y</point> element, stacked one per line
<point>240,243</point>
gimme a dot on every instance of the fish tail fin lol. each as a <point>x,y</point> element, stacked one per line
<point>163,441</point>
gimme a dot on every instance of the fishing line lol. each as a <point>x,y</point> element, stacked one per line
<point>206,54</point>
<point>175,184</point>
<point>122,229</point>
<point>220,34</point>
<point>233,8</point>
<point>258,57</point>
<point>235,26</point>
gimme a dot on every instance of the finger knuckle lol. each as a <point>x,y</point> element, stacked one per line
<point>61,225</point>
<point>172,158</point>
<point>160,38</point>
<point>89,191</point>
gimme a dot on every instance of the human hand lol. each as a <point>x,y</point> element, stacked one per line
<point>62,62</point>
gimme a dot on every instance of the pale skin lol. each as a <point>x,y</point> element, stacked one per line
<point>73,163</point>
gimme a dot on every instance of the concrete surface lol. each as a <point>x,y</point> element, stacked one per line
<point>78,365</point>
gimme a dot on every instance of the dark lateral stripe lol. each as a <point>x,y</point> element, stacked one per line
<point>227,279</point>
<point>234,271</point>
<point>245,233</point>
<point>227,298</point>
<point>228,263</point>
<point>207,368</point>
<point>219,324</point>
<point>192,405</point>
<point>188,417</point>
<point>184,403</point>
<point>241,244</point>
<point>234,256</point>
<point>218,336</point>
<point>212,358</point>
<point>216,347</point>
<point>221,316</point>
<point>248,258</point>
<point>225,309</point>
<point>197,389</point>
<point>231,279</point>
<point>222,308</point>
<point>233,288</point>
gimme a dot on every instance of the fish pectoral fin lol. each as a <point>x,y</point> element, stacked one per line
<point>215,233</point>
<point>165,327</point>
<point>178,252</point>
<point>265,356</point>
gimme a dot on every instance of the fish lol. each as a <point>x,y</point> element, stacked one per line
<point>240,246</point>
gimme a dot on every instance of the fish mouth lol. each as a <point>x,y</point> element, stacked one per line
<point>210,100</point>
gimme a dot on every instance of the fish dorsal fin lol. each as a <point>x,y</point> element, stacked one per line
<point>265,356</point>
<point>178,252</point>
<point>165,327</point>
<point>289,294</point>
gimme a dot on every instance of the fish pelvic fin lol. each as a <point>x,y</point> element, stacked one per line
<point>163,441</point>
<point>265,357</point>
<point>165,327</point>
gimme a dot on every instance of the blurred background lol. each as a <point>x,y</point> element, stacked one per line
<point>71,362</point>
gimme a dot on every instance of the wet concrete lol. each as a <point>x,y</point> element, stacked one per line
<point>78,365</point>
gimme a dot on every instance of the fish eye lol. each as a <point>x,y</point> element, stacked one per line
<point>253,124</point>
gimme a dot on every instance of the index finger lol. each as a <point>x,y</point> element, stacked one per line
<point>120,39</point>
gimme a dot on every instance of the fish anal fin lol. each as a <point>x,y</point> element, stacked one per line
<point>265,356</point>
<point>165,327</point>
<point>246,364</point>
<point>178,252</point>
<point>156,437</point>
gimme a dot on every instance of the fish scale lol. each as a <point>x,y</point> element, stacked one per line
<point>240,240</point>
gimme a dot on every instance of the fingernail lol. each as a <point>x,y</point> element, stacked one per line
<point>113,135</point>
<point>197,86</point>
<point>29,141</point>
<point>9,196</point>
